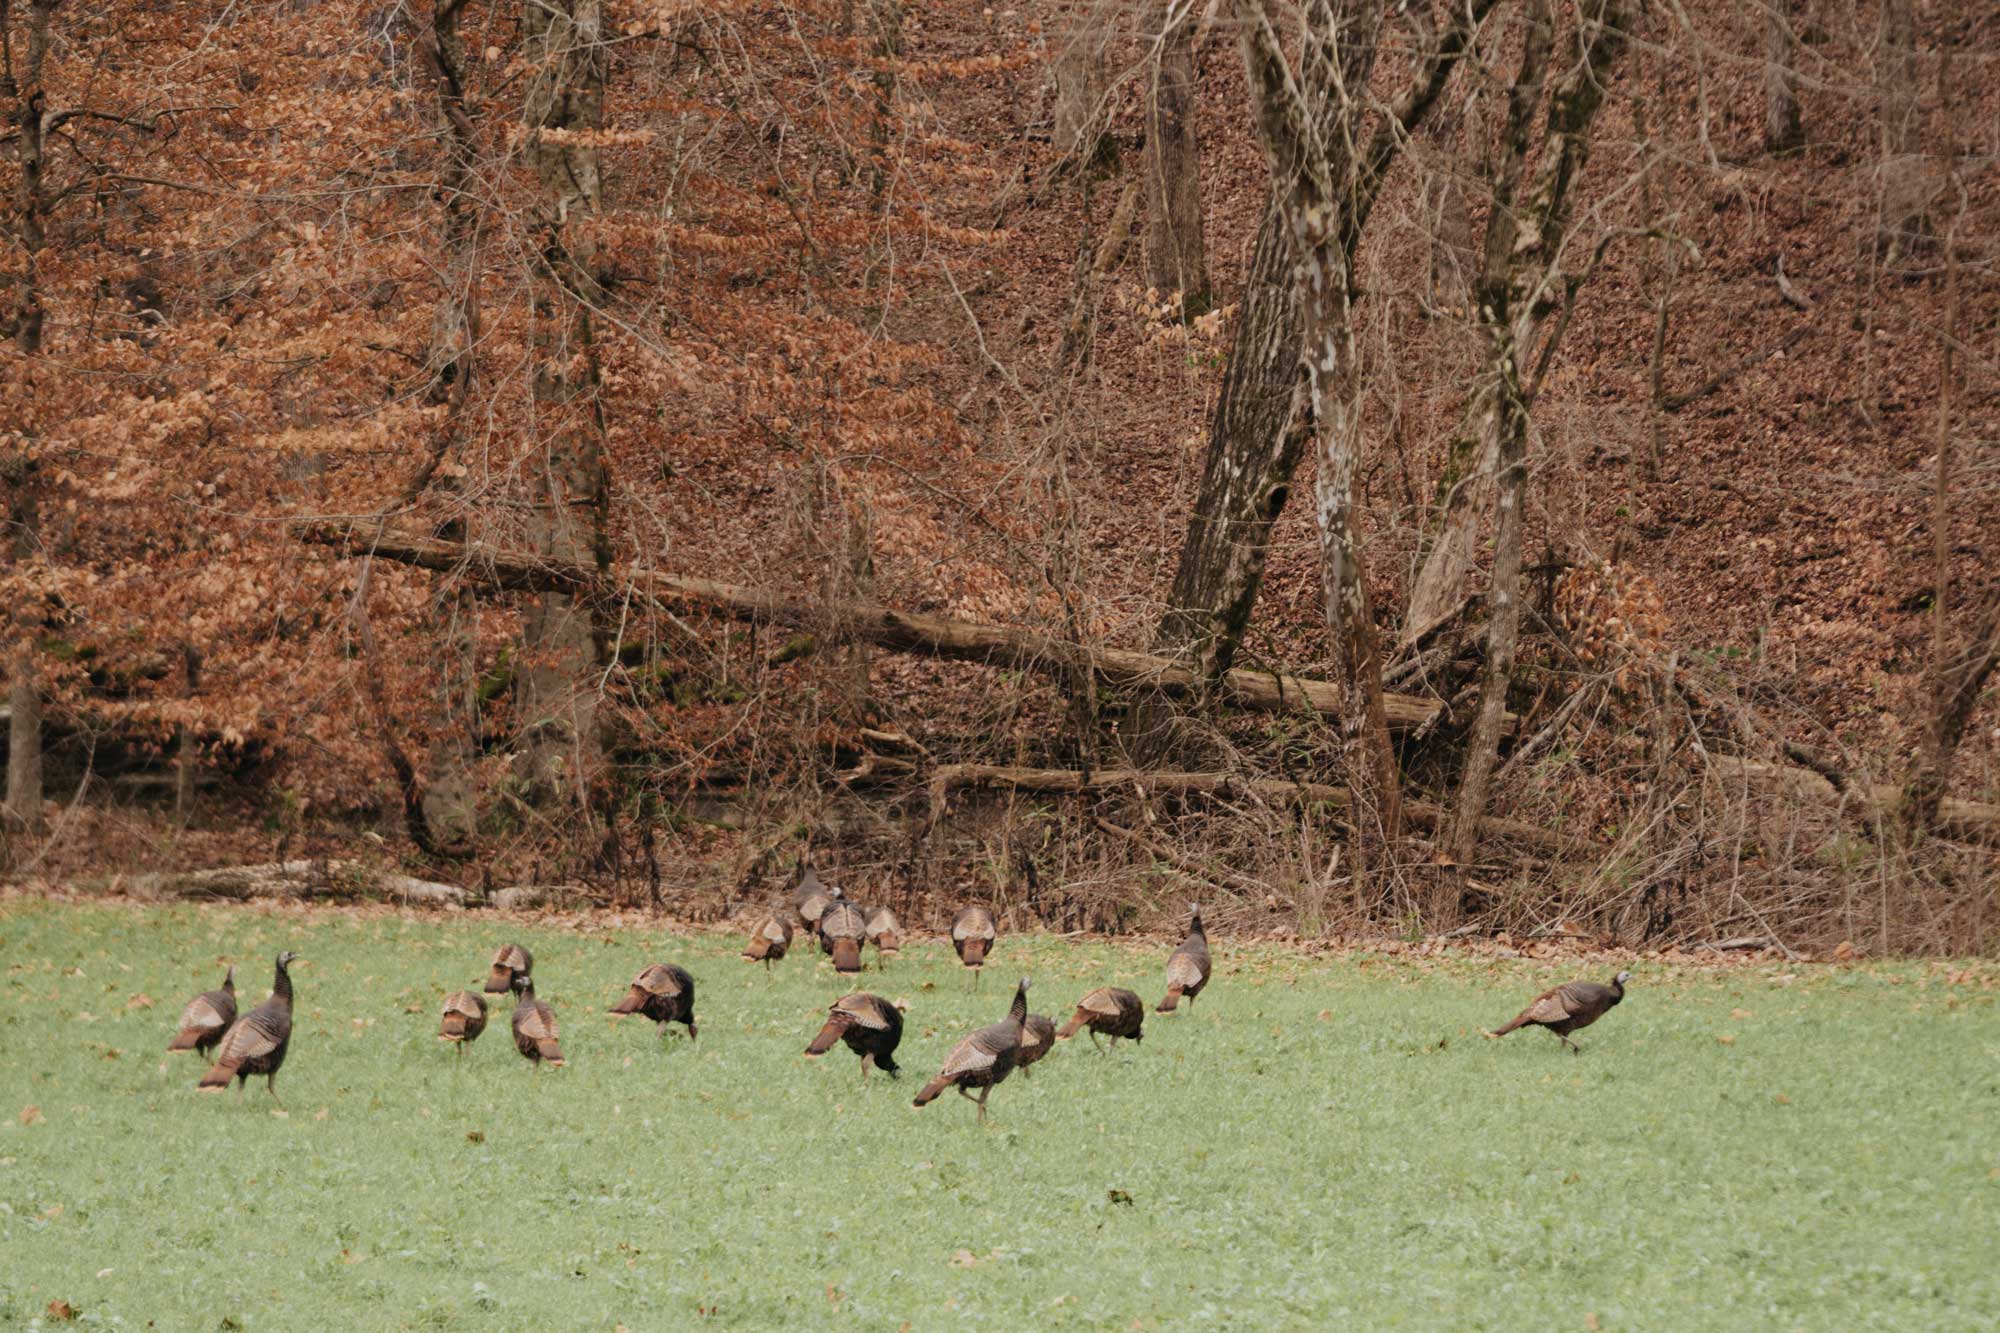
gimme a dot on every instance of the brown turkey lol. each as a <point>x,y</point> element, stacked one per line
<point>812,897</point>
<point>841,931</point>
<point>1567,1009</point>
<point>870,1025</point>
<point>535,1030</point>
<point>512,966</point>
<point>885,932</point>
<point>1187,970</point>
<point>769,941</point>
<point>207,1016</point>
<point>256,1043</point>
<point>1038,1038</point>
<point>464,1018</point>
<point>973,931</point>
<point>1111,1010</point>
<point>983,1059</point>
<point>664,992</point>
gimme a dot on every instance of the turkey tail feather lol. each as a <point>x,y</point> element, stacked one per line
<point>631,1004</point>
<point>1507,1027</point>
<point>823,1043</point>
<point>931,1091</point>
<point>1172,1000</point>
<point>217,1078</point>
<point>186,1039</point>
<point>1069,1029</point>
<point>975,952</point>
<point>551,1052</point>
<point>847,955</point>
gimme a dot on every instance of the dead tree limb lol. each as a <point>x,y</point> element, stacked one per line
<point>1423,814</point>
<point>903,631</point>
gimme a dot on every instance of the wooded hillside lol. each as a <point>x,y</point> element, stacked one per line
<point>1430,468</point>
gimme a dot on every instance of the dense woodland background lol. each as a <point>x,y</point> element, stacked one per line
<point>1505,466</point>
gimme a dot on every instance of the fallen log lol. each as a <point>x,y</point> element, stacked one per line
<point>903,631</point>
<point>1968,821</point>
<point>293,879</point>
<point>1423,814</point>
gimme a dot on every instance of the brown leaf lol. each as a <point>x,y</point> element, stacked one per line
<point>31,1115</point>
<point>61,1311</point>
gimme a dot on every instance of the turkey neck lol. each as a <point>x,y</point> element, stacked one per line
<point>1195,932</point>
<point>1017,1013</point>
<point>281,986</point>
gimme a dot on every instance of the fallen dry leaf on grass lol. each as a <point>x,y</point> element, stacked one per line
<point>30,1115</point>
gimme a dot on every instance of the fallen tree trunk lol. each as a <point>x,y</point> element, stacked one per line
<point>1423,814</point>
<point>1970,821</point>
<point>904,631</point>
<point>293,879</point>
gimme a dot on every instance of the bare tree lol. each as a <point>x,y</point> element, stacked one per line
<point>1176,259</point>
<point>563,42</point>
<point>1524,253</point>
<point>1314,179</point>
<point>1784,128</point>
<point>1906,184</point>
<point>1260,427</point>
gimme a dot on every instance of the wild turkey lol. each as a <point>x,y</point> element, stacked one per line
<point>256,1043</point>
<point>811,899</point>
<point>664,992</point>
<point>769,941</point>
<point>1567,1009</point>
<point>1038,1038</point>
<point>535,1030</point>
<point>870,1025</point>
<point>841,931</point>
<point>885,932</point>
<point>207,1016</point>
<point>464,1018</point>
<point>1112,1010</point>
<point>983,1059</point>
<point>1187,970</point>
<point>512,968</point>
<point>972,934</point>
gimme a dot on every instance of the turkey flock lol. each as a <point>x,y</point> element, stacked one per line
<point>254,1043</point>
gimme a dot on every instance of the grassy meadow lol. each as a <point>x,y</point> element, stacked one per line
<point>1319,1140</point>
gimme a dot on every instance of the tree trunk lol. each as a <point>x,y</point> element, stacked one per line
<point>23,809</point>
<point>1315,180</point>
<point>1080,139</point>
<point>1784,128</point>
<point>1260,428</point>
<point>1906,183</point>
<point>186,750</point>
<point>1523,256</point>
<point>563,42</point>
<point>1176,259</point>
<point>900,631</point>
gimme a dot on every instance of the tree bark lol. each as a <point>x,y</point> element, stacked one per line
<point>1522,269</point>
<point>1259,430</point>
<point>1314,178</point>
<point>1784,127</point>
<point>1176,258</point>
<point>23,808</point>
<point>569,485</point>
<point>1080,139</point>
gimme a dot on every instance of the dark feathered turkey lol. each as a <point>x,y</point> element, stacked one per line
<point>256,1043</point>
<point>464,1018</point>
<point>207,1016</point>
<point>1187,970</point>
<point>769,941</point>
<point>1567,1009</point>
<point>1038,1038</point>
<point>870,1025</point>
<point>512,966</point>
<point>535,1030</point>
<point>973,931</point>
<point>841,931</point>
<point>884,931</point>
<point>664,992</point>
<point>983,1059</point>
<point>1111,1010</point>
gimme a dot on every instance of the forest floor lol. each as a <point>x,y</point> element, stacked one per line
<point>1320,1139</point>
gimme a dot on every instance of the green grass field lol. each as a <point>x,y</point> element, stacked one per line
<point>1320,1140</point>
